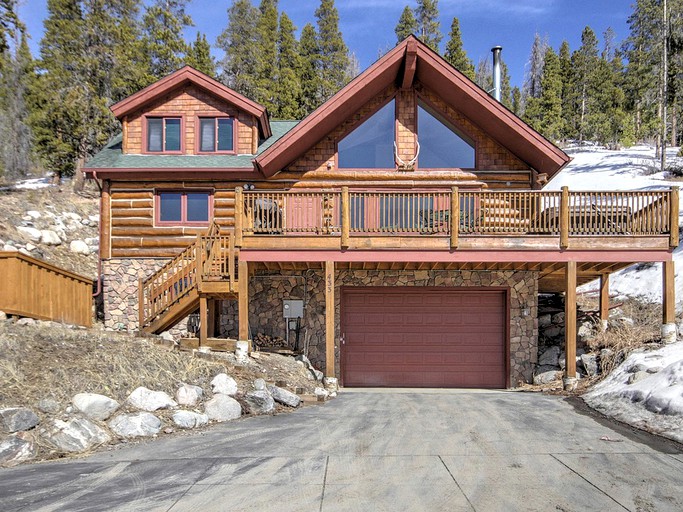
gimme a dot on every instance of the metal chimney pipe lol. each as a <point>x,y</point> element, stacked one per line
<point>496,71</point>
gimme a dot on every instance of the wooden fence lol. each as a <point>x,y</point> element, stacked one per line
<point>36,289</point>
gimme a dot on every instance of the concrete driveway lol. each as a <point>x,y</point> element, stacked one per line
<point>375,451</point>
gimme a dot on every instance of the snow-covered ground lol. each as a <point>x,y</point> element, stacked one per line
<point>601,169</point>
<point>654,399</point>
<point>646,390</point>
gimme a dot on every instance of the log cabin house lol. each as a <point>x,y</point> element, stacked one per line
<point>400,233</point>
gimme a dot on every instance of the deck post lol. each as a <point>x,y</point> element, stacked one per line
<point>203,320</point>
<point>668,303</point>
<point>239,216</point>
<point>455,217</point>
<point>570,326</point>
<point>673,218</point>
<point>211,319</point>
<point>329,319</point>
<point>141,305</point>
<point>243,302</point>
<point>345,218</point>
<point>604,300</point>
<point>564,218</point>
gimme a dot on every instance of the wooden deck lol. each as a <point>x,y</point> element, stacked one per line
<point>457,220</point>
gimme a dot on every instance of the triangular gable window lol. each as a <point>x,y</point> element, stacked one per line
<point>370,145</point>
<point>441,146</point>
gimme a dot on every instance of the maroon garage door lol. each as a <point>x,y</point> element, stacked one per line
<point>424,337</point>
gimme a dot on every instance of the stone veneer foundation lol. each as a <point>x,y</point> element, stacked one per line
<point>267,291</point>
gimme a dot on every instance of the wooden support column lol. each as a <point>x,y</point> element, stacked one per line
<point>673,218</point>
<point>669,293</point>
<point>345,218</point>
<point>570,320</point>
<point>455,217</point>
<point>564,218</point>
<point>141,305</point>
<point>329,319</point>
<point>243,301</point>
<point>203,321</point>
<point>211,319</point>
<point>604,299</point>
<point>105,221</point>
<point>239,216</point>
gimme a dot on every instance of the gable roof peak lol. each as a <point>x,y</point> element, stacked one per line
<point>189,75</point>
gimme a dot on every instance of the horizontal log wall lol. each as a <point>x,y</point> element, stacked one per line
<point>36,289</point>
<point>188,102</point>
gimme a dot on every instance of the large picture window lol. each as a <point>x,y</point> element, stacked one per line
<point>163,134</point>
<point>370,145</point>
<point>216,134</point>
<point>183,207</point>
<point>441,146</point>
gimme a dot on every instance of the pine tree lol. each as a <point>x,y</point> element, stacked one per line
<point>584,62</point>
<point>532,82</point>
<point>9,22</point>
<point>239,42</point>
<point>566,76</point>
<point>287,87</point>
<point>309,75</point>
<point>266,55</point>
<point>407,24</point>
<point>15,134</point>
<point>427,15</point>
<point>505,88</point>
<point>333,53</point>
<point>163,43</point>
<point>455,54</point>
<point>199,56</point>
<point>544,113</point>
<point>516,101</point>
<point>483,75</point>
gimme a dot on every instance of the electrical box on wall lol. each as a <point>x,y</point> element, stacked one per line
<point>293,309</point>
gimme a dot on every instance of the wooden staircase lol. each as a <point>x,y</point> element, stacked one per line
<point>204,270</point>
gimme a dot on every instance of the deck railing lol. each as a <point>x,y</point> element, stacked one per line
<point>37,289</point>
<point>210,258</point>
<point>457,213</point>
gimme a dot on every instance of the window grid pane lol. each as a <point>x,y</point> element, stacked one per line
<point>440,146</point>
<point>370,145</point>
<point>197,207</point>
<point>170,206</point>
<point>208,135</point>
<point>225,135</point>
<point>172,135</point>
<point>155,134</point>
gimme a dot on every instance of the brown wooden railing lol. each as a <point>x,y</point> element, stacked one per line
<point>460,213</point>
<point>36,289</point>
<point>210,258</point>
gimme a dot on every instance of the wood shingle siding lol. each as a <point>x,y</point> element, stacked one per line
<point>189,103</point>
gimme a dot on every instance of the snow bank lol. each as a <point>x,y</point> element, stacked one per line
<point>655,402</point>
<point>34,183</point>
<point>602,169</point>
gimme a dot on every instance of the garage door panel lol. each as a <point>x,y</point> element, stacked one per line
<point>424,337</point>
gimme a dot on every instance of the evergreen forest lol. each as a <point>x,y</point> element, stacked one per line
<point>54,106</point>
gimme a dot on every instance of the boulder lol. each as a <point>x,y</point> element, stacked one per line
<point>33,214</point>
<point>590,364</point>
<point>331,384</point>
<point>94,406</point>
<point>553,331</point>
<point>546,368</point>
<point>558,318</point>
<point>26,321</point>
<point>49,406</point>
<point>9,248</point>
<point>49,237</point>
<point>15,419</point>
<point>639,367</point>
<point>260,401</point>
<point>547,377</point>
<point>321,393</point>
<point>32,234</point>
<point>167,336</point>
<point>317,374</point>
<point>79,247</point>
<point>223,408</point>
<point>259,384</point>
<point>189,395</point>
<point>3,315</point>
<point>550,356</point>
<point>284,397</point>
<point>189,419</point>
<point>140,424</point>
<point>75,435</point>
<point>224,384</point>
<point>17,448</point>
<point>637,376</point>
<point>148,400</point>
<point>586,330</point>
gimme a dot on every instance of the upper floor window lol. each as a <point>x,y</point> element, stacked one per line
<point>216,134</point>
<point>183,207</point>
<point>441,146</point>
<point>370,145</point>
<point>163,134</point>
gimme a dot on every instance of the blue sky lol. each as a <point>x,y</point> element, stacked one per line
<point>368,25</point>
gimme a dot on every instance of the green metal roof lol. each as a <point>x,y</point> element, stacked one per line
<point>111,156</point>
